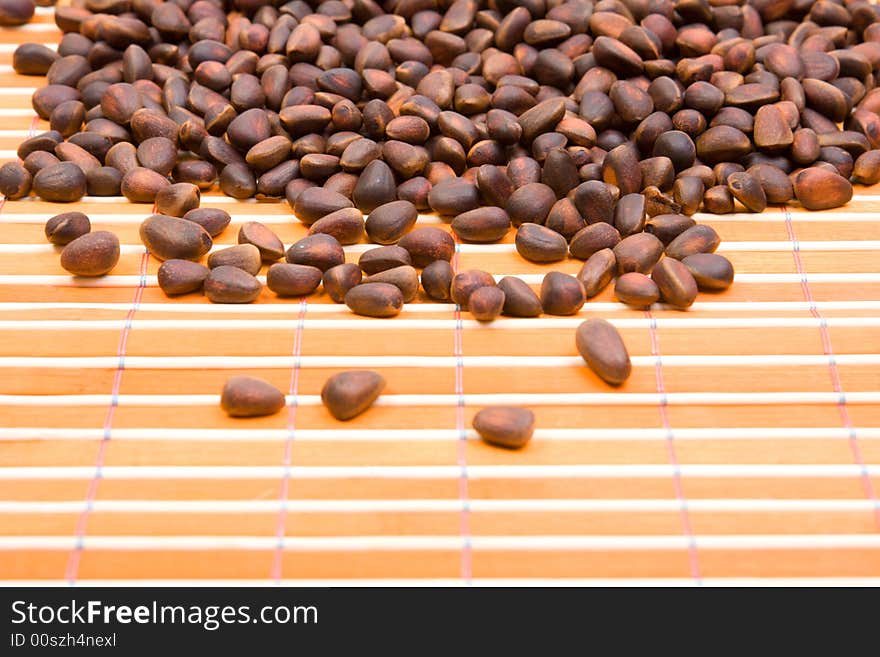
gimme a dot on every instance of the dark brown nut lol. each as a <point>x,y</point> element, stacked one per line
<point>826,99</point>
<point>15,181</point>
<point>348,394</point>
<point>676,284</point>
<point>141,185</point>
<point>70,152</point>
<point>425,244</point>
<point>319,250</point>
<point>540,244</point>
<point>453,196</point>
<point>503,127</point>
<point>486,224</point>
<point>383,257</point>
<point>340,279</point>
<point>375,300</point>
<point>288,280</point>
<point>774,181</point>
<point>231,285</point>
<point>718,200</point>
<point>119,102</point>
<point>147,123</point>
<point>688,193</point>
<point>67,118</point>
<point>698,239</point>
<point>593,238</point>
<point>122,156</point>
<point>510,427</point>
<point>375,186</point>
<point>666,227</point>
<point>772,132</point>
<point>597,272</point>
<point>181,276</point>
<point>237,181</point>
<point>747,189</point>
<point>39,160</point>
<point>523,170</point>
<point>268,153</point>
<point>437,280</point>
<point>170,238</point>
<point>636,289</point>
<point>33,59</point>
<point>530,203</point>
<point>722,144</point>
<point>104,181</point>
<point>358,154</point>
<point>60,183</point>
<point>519,299</point>
<point>805,146</point>
<point>262,237</point>
<point>63,228</point>
<point>405,278</point>
<point>391,221</point>
<point>629,215</point>
<point>45,99</point>
<point>564,218</point>
<point>595,202</point>
<point>486,303</point>
<point>561,294</point>
<point>617,57</point>
<point>315,202</point>
<point>603,350</point>
<point>302,120</point>
<point>213,220</point>
<point>177,199</point>
<point>541,118</point>
<point>416,191</point>
<point>621,168</point>
<point>866,170</point>
<point>560,172</point>
<point>711,271</point>
<point>246,396</point>
<point>638,253</point>
<point>345,225</point>
<point>820,189</point>
<point>464,283</point>
<point>244,256</point>
<point>92,254</point>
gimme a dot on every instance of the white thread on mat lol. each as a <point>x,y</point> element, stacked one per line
<point>438,472</point>
<point>447,434</point>
<point>451,542</point>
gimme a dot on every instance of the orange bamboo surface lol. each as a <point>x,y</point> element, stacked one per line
<point>745,447</point>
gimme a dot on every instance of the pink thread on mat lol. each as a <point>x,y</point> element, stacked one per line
<point>693,555</point>
<point>293,391</point>
<point>75,556</point>
<point>836,383</point>
<point>463,493</point>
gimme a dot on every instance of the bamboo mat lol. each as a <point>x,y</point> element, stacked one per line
<point>745,447</point>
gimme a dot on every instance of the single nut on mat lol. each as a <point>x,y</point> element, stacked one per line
<point>348,394</point>
<point>561,294</point>
<point>711,271</point>
<point>244,256</point>
<point>177,199</point>
<point>92,254</point>
<point>636,289</point>
<point>247,396</point>
<point>33,59</point>
<point>375,300</point>
<point>288,280</point>
<point>181,276</point>
<point>262,237</point>
<point>597,272</point>
<point>16,12</point>
<point>819,189</point>
<point>486,303</point>
<point>15,181</point>
<point>213,220</point>
<point>63,228</point>
<point>405,278</point>
<point>173,238</point>
<point>340,279</point>
<point>231,285</point>
<point>520,300</point>
<point>676,283</point>
<point>505,426</point>
<point>603,350</point>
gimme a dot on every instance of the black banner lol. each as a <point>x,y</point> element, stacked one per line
<point>416,620</point>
